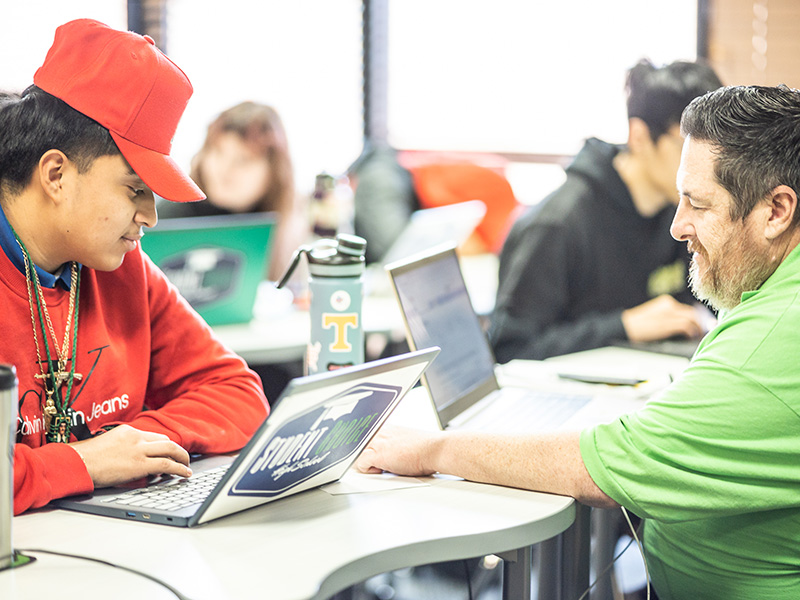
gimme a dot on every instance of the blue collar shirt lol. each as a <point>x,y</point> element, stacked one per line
<point>12,250</point>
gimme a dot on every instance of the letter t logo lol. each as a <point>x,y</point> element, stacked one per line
<point>340,323</point>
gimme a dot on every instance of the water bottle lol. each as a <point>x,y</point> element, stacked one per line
<point>8,422</point>
<point>335,283</point>
<point>332,206</point>
<point>324,216</point>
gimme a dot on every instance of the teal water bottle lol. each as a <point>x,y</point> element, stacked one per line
<point>336,287</point>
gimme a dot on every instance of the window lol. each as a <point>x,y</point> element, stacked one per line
<point>531,78</point>
<point>27,30</point>
<point>523,77</point>
<point>303,58</point>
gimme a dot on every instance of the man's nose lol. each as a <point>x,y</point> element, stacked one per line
<point>681,229</point>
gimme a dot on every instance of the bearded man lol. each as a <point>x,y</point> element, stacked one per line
<point>711,464</point>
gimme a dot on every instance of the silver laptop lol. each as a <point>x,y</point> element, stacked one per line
<point>317,430</point>
<point>428,227</point>
<point>462,383</point>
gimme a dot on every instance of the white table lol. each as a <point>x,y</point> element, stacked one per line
<point>308,546</point>
<point>314,545</point>
<point>283,335</point>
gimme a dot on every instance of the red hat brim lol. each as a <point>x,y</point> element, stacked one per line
<point>159,171</point>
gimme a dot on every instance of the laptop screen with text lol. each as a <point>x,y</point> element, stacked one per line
<point>438,312</point>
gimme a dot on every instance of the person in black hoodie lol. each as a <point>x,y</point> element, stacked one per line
<point>594,262</point>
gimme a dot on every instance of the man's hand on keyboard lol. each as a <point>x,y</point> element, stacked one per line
<point>125,454</point>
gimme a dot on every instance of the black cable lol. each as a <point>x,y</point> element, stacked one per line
<point>469,579</point>
<point>611,564</point>
<point>109,564</point>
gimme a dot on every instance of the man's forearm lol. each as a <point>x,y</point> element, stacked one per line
<point>547,463</point>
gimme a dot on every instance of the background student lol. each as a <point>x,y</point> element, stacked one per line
<point>244,166</point>
<point>594,261</point>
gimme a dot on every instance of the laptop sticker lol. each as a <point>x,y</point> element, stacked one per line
<point>316,440</point>
<point>204,275</point>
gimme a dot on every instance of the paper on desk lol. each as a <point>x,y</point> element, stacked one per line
<point>544,377</point>
<point>354,482</point>
<point>623,361</point>
<point>655,371</point>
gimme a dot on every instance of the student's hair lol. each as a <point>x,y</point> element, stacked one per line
<point>755,134</point>
<point>260,127</point>
<point>658,95</point>
<point>33,123</point>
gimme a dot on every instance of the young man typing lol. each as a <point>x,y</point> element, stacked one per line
<point>101,342</point>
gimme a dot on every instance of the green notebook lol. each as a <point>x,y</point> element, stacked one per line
<point>216,262</point>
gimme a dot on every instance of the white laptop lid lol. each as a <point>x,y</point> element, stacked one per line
<point>430,227</point>
<point>317,430</point>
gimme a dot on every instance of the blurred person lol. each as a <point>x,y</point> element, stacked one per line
<point>383,196</point>
<point>594,262</point>
<point>244,166</point>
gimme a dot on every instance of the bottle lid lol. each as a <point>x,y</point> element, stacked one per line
<point>352,245</point>
<point>8,377</point>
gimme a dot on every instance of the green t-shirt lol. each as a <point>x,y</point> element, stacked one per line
<point>713,463</point>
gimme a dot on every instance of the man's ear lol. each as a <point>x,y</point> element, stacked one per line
<point>782,204</point>
<point>51,171</point>
<point>638,135</point>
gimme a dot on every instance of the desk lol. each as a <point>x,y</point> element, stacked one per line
<point>657,371</point>
<point>282,336</point>
<point>308,546</point>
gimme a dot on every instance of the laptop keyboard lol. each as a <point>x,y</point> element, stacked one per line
<point>174,494</point>
<point>519,410</point>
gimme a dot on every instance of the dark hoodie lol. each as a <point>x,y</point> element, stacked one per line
<point>574,262</point>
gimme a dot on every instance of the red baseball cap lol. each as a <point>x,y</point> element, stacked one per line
<point>122,81</point>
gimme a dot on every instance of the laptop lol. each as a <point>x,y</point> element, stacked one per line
<point>426,228</point>
<point>216,262</point>
<point>462,384</point>
<point>430,227</point>
<point>320,425</point>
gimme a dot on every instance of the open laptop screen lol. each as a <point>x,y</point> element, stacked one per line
<point>216,262</point>
<point>438,311</point>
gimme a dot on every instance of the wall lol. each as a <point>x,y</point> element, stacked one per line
<point>755,42</point>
